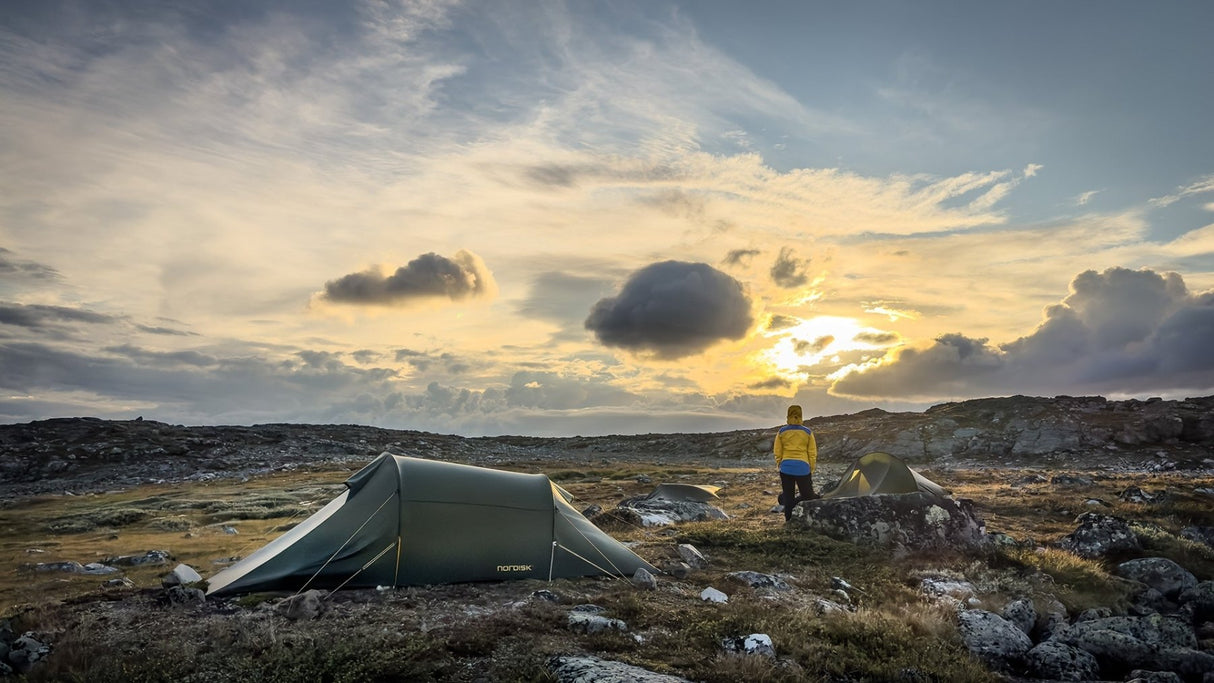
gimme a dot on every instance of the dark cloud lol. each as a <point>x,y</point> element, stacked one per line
<point>427,276</point>
<point>878,338</point>
<point>803,347</point>
<point>672,309</point>
<point>1118,331</point>
<point>771,383</point>
<point>162,358</point>
<point>740,256</point>
<point>13,267</point>
<point>448,363</point>
<point>165,330</point>
<point>366,356</point>
<point>38,316</point>
<point>788,271</point>
<point>782,322</point>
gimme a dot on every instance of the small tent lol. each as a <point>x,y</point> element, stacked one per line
<point>407,521</point>
<point>876,473</point>
<point>699,493</point>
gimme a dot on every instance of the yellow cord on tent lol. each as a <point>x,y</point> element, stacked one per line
<point>360,570</point>
<point>343,545</point>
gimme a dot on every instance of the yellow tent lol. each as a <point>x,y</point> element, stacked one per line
<point>877,473</point>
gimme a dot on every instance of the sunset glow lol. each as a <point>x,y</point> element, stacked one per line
<point>597,217</point>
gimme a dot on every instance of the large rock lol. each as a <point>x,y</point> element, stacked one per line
<point>1100,535</point>
<point>1121,644</point>
<point>661,512</point>
<point>914,521</point>
<point>1199,599</point>
<point>1159,573</point>
<point>1057,661</point>
<point>993,639</point>
<point>587,669</point>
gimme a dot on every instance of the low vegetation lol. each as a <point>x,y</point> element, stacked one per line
<point>502,632</point>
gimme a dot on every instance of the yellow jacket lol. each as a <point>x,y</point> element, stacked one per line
<point>796,442</point>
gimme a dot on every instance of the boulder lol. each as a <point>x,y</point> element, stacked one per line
<point>1121,644</point>
<point>1022,613</point>
<point>993,639</point>
<point>181,595</point>
<point>150,557</point>
<point>643,578</point>
<point>1199,534</point>
<point>753,644</point>
<point>584,668</point>
<point>758,580</point>
<point>1199,599</point>
<point>913,521</point>
<point>711,594</point>
<point>692,556</point>
<point>1159,573</point>
<point>1056,661</point>
<point>662,512</point>
<point>26,651</point>
<point>304,606</point>
<point>182,575</point>
<point>588,619</point>
<point>1098,536</point>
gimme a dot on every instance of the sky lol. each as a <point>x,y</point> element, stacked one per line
<point>599,217</point>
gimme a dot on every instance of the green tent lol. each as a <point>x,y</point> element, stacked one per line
<point>699,493</point>
<point>407,521</point>
<point>877,473</point>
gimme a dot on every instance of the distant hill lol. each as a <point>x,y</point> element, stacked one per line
<point>89,454</point>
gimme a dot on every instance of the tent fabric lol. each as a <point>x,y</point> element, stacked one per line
<point>700,493</point>
<point>881,473</point>
<point>408,521</point>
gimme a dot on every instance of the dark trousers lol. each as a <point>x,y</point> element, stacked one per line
<point>790,484</point>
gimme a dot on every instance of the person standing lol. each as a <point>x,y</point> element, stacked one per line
<point>796,453</point>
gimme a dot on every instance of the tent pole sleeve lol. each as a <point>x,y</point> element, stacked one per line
<point>343,545</point>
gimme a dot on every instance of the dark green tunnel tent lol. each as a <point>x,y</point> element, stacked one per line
<point>877,473</point>
<point>407,521</point>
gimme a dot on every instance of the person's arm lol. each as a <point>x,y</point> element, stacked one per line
<point>778,449</point>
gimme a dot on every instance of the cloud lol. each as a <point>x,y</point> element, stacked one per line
<point>740,257</point>
<point>40,316</point>
<point>428,276</point>
<point>561,297</point>
<point>1119,331</point>
<point>1203,185</point>
<point>805,348</point>
<point>672,309</point>
<point>788,271</point>
<point>13,268</point>
<point>782,322</point>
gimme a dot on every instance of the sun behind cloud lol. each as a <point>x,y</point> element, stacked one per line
<point>821,341</point>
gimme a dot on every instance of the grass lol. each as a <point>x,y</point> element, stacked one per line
<point>495,631</point>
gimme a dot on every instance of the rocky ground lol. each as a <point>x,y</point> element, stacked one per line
<point>1042,473</point>
<point>80,455</point>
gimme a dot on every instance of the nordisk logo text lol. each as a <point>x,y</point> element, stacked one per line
<point>514,567</point>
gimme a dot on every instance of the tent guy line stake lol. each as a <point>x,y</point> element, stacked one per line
<point>343,545</point>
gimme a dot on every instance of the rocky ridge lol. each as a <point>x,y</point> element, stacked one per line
<point>89,454</point>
